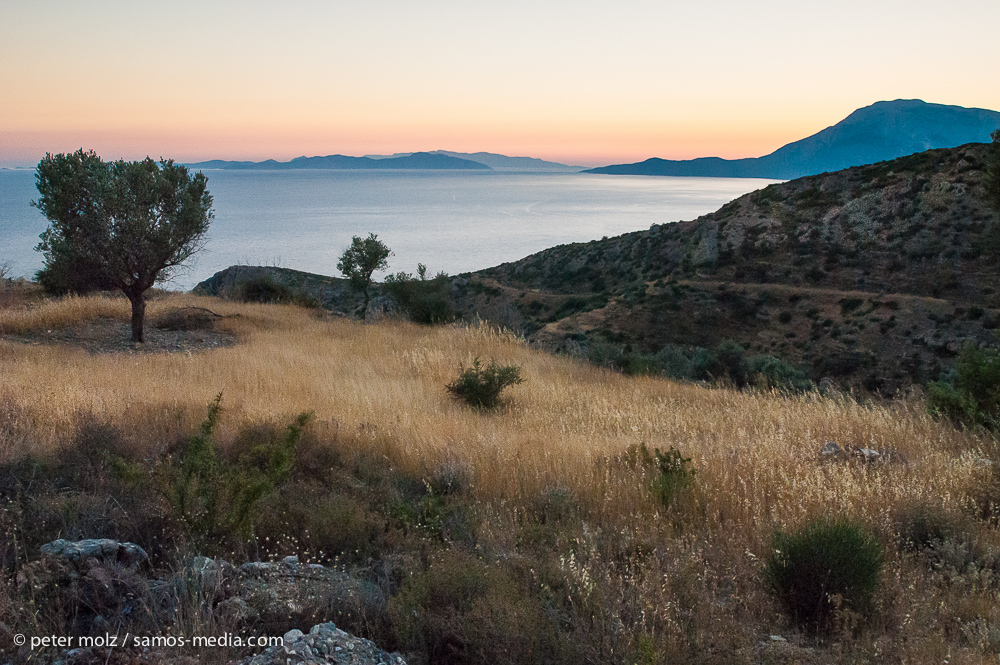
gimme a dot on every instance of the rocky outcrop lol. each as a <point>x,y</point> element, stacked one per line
<point>105,586</point>
<point>97,583</point>
<point>323,644</point>
<point>290,590</point>
<point>104,550</point>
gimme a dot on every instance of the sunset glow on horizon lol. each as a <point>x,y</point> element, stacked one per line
<point>582,83</point>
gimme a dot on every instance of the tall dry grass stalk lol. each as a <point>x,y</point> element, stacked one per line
<point>756,453</point>
<point>684,582</point>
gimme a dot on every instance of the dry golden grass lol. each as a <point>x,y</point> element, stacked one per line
<point>381,389</point>
<point>756,454</point>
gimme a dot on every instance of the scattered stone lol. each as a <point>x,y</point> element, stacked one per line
<point>867,454</point>
<point>212,573</point>
<point>113,578</point>
<point>832,451</point>
<point>324,644</point>
<point>278,590</point>
<point>104,550</point>
<point>778,638</point>
<point>288,566</point>
<point>103,580</point>
<point>235,610</point>
<point>830,448</point>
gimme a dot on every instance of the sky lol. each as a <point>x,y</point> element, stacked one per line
<point>574,81</point>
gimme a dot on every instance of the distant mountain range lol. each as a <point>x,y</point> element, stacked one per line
<point>882,131</point>
<point>498,162</point>
<point>416,160</point>
<point>876,133</point>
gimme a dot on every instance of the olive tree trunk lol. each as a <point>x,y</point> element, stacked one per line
<point>138,300</point>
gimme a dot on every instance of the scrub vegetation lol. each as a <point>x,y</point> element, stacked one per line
<point>597,517</point>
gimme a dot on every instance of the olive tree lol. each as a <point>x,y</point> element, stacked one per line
<point>360,260</point>
<point>118,225</point>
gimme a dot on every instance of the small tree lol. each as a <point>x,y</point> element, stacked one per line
<point>122,225</point>
<point>993,171</point>
<point>360,260</point>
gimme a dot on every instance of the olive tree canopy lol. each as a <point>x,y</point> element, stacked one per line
<point>118,225</point>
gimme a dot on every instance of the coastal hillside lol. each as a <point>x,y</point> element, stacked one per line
<point>872,278</point>
<point>884,130</point>
<point>875,275</point>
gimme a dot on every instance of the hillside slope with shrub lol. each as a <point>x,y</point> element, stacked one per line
<point>591,517</point>
<point>875,276</point>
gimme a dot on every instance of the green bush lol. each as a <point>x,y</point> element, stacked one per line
<point>214,499</point>
<point>923,526</point>
<point>670,473</point>
<point>427,301</point>
<point>462,610</point>
<point>481,386</point>
<point>766,371</point>
<point>970,395</point>
<point>675,475</point>
<point>824,567</point>
<point>263,288</point>
<point>727,362</point>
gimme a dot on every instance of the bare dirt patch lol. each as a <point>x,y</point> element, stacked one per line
<point>104,335</point>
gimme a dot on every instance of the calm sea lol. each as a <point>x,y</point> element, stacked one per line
<point>451,221</point>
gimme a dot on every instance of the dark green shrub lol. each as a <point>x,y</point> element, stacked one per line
<point>461,610</point>
<point>970,396</point>
<point>823,567</point>
<point>848,305</point>
<point>991,180</point>
<point>214,499</point>
<point>727,362</point>
<point>481,386</point>
<point>670,474</point>
<point>675,475</point>
<point>923,526</point>
<point>427,301</point>
<point>264,289</point>
<point>765,371</point>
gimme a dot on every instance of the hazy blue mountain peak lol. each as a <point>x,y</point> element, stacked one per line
<point>875,133</point>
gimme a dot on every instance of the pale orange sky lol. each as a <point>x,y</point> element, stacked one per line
<point>579,82</point>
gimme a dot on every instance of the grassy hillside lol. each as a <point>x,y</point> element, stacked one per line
<point>874,276</point>
<point>537,533</point>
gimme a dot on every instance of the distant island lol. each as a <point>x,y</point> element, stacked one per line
<point>497,161</point>
<point>882,131</point>
<point>417,160</point>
